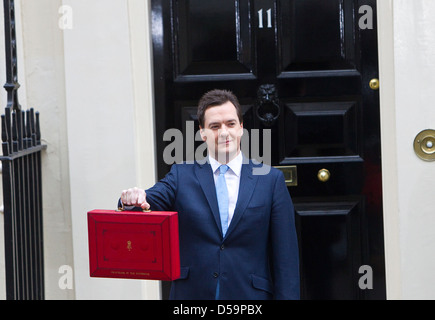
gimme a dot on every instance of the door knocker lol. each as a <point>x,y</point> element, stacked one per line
<point>267,108</point>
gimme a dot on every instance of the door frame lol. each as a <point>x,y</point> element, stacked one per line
<point>390,193</point>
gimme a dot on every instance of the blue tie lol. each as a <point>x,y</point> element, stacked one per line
<point>223,202</point>
<point>222,197</point>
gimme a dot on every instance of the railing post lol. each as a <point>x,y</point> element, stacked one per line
<point>22,183</point>
<point>12,84</point>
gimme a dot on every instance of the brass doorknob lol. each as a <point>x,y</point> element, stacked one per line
<point>323,175</point>
<point>374,84</point>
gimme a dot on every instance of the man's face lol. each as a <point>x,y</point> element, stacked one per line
<point>222,132</point>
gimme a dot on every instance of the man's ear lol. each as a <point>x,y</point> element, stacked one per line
<point>202,133</point>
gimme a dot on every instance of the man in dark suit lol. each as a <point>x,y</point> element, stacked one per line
<point>236,224</point>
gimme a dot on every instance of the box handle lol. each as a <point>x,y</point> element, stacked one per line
<point>121,207</point>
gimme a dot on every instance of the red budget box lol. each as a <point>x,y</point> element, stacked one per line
<point>134,245</point>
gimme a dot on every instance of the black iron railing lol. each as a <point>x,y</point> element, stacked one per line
<point>22,184</point>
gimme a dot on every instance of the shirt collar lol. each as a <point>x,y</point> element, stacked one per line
<point>235,165</point>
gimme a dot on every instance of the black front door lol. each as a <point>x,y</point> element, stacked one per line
<point>301,70</point>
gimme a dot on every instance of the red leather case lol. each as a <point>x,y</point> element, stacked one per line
<point>134,245</point>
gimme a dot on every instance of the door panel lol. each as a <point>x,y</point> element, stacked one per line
<point>301,69</point>
<point>212,39</point>
<point>330,244</point>
<point>321,129</point>
<point>316,36</point>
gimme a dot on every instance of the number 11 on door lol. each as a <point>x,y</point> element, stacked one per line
<point>269,18</point>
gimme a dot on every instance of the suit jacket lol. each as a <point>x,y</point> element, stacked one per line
<point>257,258</point>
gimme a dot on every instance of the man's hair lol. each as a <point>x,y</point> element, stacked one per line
<point>215,98</point>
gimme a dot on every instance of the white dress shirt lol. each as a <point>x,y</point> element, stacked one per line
<point>232,178</point>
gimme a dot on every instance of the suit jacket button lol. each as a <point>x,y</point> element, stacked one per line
<point>222,247</point>
<point>215,274</point>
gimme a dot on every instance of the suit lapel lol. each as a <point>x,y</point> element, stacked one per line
<point>205,177</point>
<point>247,185</point>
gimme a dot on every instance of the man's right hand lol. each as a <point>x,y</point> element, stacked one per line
<point>135,197</point>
